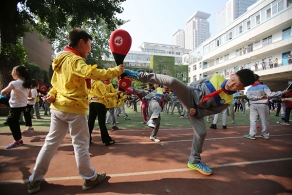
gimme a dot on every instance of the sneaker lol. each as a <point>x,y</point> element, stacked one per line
<point>181,117</point>
<point>150,123</point>
<point>28,130</point>
<point>88,184</point>
<point>127,118</point>
<point>232,122</point>
<point>131,73</point>
<point>258,126</point>
<point>225,127</point>
<point>153,138</point>
<point>33,187</point>
<point>15,144</point>
<point>249,136</point>
<point>201,167</point>
<point>285,123</point>
<point>213,126</point>
<point>264,137</point>
<point>109,143</point>
<point>115,128</point>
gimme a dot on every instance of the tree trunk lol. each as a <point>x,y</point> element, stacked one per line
<point>8,16</point>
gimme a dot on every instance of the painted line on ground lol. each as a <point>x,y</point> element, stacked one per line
<point>152,172</point>
<point>150,142</point>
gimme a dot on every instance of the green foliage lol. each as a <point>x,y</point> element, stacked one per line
<point>162,64</point>
<point>51,19</point>
<point>14,52</point>
<point>139,85</point>
<point>37,73</point>
<point>50,16</point>
<point>181,73</point>
<point>114,82</point>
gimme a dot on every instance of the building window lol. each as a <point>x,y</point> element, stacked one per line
<point>250,48</point>
<point>274,8</point>
<point>286,33</point>
<point>240,29</point>
<point>226,57</point>
<point>268,13</point>
<point>267,41</point>
<point>194,67</point>
<point>289,3</point>
<point>258,19</point>
<point>280,6</point>
<point>229,36</point>
<point>218,42</point>
<point>239,52</point>
<point>195,78</point>
<point>248,25</point>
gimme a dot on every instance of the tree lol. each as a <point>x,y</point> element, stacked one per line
<point>48,17</point>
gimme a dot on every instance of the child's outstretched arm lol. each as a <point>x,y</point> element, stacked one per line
<point>6,90</point>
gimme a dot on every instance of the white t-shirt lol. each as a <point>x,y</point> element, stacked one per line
<point>33,95</point>
<point>18,95</point>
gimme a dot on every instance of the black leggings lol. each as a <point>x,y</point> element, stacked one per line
<point>99,110</point>
<point>27,115</point>
<point>13,122</point>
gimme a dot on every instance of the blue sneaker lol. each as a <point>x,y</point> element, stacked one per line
<point>249,136</point>
<point>131,73</point>
<point>201,167</point>
<point>264,137</point>
<point>15,144</point>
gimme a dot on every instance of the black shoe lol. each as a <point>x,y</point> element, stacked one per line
<point>225,127</point>
<point>277,115</point>
<point>115,128</point>
<point>5,123</point>
<point>109,143</point>
<point>213,126</point>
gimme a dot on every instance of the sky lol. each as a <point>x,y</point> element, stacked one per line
<point>156,20</point>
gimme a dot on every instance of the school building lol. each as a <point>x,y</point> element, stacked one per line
<point>260,40</point>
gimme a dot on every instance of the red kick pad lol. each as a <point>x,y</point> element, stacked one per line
<point>124,83</point>
<point>120,42</point>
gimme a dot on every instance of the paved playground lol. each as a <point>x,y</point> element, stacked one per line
<point>136,165</point>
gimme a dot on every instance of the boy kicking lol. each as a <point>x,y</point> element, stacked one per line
<point>202,98</point>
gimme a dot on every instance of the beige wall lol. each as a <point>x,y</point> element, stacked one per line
<point>39,50</point>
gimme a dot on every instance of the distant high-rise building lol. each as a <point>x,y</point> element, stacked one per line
<point>232,10</point>
<point>197,30</point>
<point>178,38</point>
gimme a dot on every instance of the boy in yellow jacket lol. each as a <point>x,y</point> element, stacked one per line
<point>69,103</point>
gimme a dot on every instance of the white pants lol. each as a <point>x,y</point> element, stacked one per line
<point>224,114</point>
<point>61,122</point>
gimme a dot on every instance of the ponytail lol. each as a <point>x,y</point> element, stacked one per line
<point>24,73</point>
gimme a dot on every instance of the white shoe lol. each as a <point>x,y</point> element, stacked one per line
<point>150,123</point>
<point>28,130</point>
<point>153,138</point>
